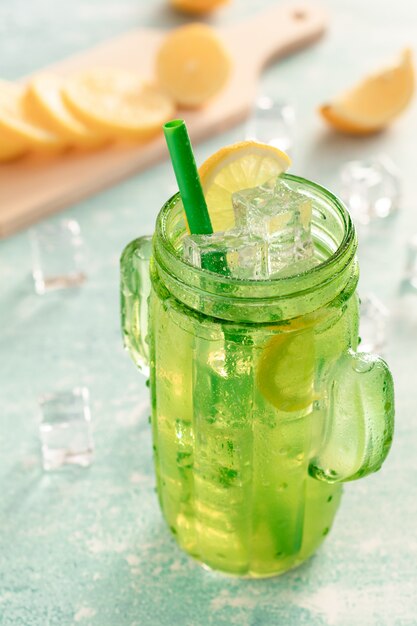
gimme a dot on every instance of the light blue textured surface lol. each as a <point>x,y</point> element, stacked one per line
<point>89,547</point>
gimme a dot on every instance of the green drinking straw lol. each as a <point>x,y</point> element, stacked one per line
<point>188,180</point>
<point>194,202</point>
<point>192,196</point>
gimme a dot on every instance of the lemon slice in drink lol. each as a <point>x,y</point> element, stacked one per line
<point>118,102</point>
<point>44,99</point>
<point>285,371</point>
<point>18,127</point>
<point>233,168</point>
<point>375,102</point>
<point>285,374</point>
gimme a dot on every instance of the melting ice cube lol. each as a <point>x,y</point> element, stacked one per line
<point>411,267</point>
<point>272,121</point>
<point>374,317</point>
<point>281,217</point>
<point>65,428</point>
<point>233,252</point>
<point>58,256</point>
<point>371,188</point>
<point>272,237</point>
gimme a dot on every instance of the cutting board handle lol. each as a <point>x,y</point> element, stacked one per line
<point>278,31</point>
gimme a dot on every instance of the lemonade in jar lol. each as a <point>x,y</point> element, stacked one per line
<point>262,403</point>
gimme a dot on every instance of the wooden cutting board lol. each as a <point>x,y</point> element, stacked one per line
<point>34,187</point>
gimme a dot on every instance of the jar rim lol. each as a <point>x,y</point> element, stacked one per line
<point>192,285</point>
<point>348,238</point>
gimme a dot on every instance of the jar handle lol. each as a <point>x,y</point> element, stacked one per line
<point>135,288</point>
<point>360,419</point>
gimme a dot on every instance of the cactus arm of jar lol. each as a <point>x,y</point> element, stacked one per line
<point>135,286</point>
<point>360,419</point>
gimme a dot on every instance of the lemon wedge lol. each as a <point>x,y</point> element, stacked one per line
<point>10,150</point>
<point>44,100</point>
<point>233,168</point>
<point>192,65</point>
<point>375,102</point>
<point>197,6</point>
<point>17,126</point>
<point>117,102</point>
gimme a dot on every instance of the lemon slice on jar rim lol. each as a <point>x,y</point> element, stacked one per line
<point>239,166</point>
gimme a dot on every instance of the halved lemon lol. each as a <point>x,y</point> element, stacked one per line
<point>16,124</point>
<point>198,6</point>
<point>372,104</point>
<point>192,64</point>
<point>118,103</point>
<point>44,100</point>
<point>233,168</point>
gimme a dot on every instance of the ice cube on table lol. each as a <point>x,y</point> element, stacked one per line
<point>370,188</point>
<point>65,429</point>
<point>232,253</point>
<point>281,217</point>
<point>57,255</point>
<point>411,265</point>
<point>273,122</point>
<point>374,317</point>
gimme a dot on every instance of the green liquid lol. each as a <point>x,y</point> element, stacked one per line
<point>232,468</point>
<point>255,424</point>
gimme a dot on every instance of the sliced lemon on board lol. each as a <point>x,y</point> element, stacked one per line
<point>17,127</point>
<point>198,6</point>
<point>375,102</point>
<point>44,100</point>
<point>233,168</point>
<point>118,102</point>
<point>192,64</point>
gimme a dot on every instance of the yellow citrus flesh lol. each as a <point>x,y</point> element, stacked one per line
<point>18,127</point>
<point>118,103</point>
<point>285,373</point>
<point>233,168</point>
<point>192,65</point>
<point>375,102</point>
<point>45,102</point>
<point>196,7</point>
<point>10,150</point>
<point>342,124</point>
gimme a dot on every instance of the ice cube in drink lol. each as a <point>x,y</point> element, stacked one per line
<point>272,237</point>
<point>282,218</point>
<point>232,253</point>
